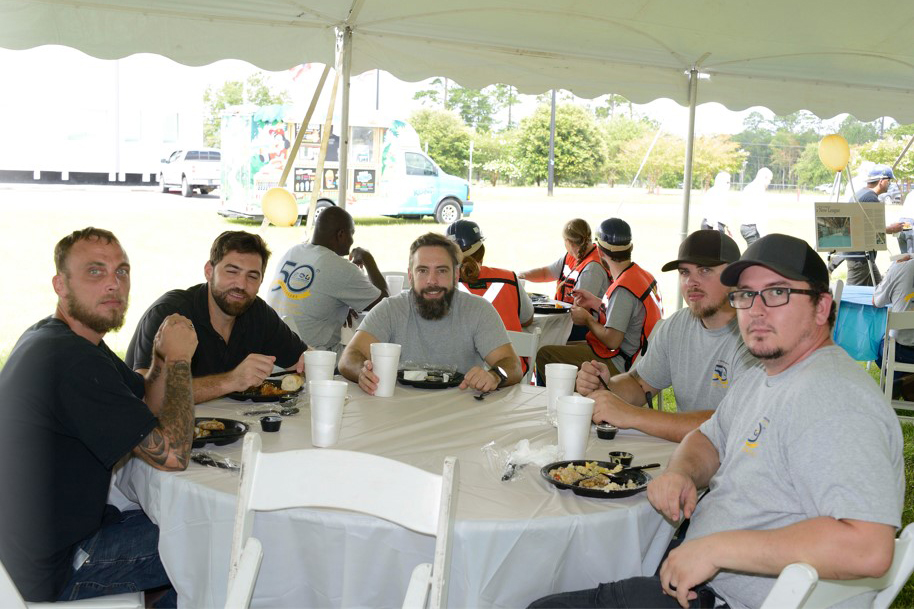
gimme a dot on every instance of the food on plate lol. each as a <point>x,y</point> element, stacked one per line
<point>415,375</point>
<point>206,428</point>
<point>292,382</point>
<point>266,388</point>
<point>571,474</point>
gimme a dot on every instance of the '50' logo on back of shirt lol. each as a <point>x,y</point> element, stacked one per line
<point>295,280</point>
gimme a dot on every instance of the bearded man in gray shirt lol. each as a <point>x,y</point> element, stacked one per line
<point>697,351</point>
<point>774,456</point>
<point>436,325</point>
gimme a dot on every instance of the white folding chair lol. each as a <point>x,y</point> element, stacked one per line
<point>11,599</point>
<point>242,587</point>
<point>837,287</point>
<point>895,321</point>
<point>525,345</point>
<point>798,585</point>
<point>403,494</point>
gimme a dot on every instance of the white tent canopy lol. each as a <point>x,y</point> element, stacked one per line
<point>827,57</point>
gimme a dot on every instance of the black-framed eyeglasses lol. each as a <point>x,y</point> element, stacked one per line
<point>771,297</point>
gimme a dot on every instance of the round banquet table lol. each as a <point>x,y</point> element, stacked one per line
<point>513,541</point>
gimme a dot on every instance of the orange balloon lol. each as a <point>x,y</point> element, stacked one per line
<point>834,152</point>
<point>279,207</point>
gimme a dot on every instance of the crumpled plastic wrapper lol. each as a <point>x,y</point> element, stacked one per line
<point>508,464</point>
<point>213,459</point>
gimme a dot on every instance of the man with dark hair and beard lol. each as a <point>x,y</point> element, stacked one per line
<point>698,351</point>
<point>241,337</point>
<point>436,325</point>
<point>71,410</point>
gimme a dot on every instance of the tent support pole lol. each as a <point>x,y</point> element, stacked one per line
<point>344,126</point>
<point>687,170</point>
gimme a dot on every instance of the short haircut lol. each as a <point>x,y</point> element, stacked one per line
<point>617,256</point>
<point>63,247</point>
<point>820,289</point>
<point>578,232</point>
<point>436,240</point>
<point>241,242</point>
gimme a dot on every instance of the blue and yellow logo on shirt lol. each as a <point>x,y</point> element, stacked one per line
<point>294,283</point>
<point>752,441</point>
<point>720,375</point>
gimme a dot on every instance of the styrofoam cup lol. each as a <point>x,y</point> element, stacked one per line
<point>560,380</point>
<point>327,399</point>
<point>574,414</point>
<point>319,365</point>
<point>394,284</point>
<point>385,359</point>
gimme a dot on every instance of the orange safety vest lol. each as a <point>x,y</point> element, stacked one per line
<point>499,287</point>
<point>643,285</point>
<point>571,272</point>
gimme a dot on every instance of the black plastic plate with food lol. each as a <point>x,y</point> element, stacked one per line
<point>551,308</point>
<point>638,477</point>
<point>233,430</point>
<point>254,394</point>
<point>434,379</point>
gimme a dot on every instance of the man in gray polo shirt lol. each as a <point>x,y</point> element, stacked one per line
<point>697,351</point>
<point>775,456</point>
<point>436,325</point>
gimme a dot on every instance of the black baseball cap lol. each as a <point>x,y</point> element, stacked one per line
<point>705,248</point>
<point>783,254</point>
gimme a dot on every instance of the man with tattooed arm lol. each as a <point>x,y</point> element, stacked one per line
<point>71,409</point>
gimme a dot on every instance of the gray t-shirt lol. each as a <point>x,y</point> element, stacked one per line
<point>816,440</point>
<point>592,277</point>
<point>625,313</point>
<point>462,339</point>
<point>317,287</point>
<point>897,289</point>
<point>700,364</point>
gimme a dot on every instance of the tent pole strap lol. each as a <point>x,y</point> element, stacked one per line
<point>344,126</point>
<point>687,170</point>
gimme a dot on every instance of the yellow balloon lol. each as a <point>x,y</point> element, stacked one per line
<point>279,207</point>
<point>834,152</point>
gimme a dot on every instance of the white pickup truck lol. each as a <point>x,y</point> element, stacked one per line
<point>199,169</point>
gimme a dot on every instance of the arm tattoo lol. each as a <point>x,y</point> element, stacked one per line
<point>155,372</point>
<point>168,445</point>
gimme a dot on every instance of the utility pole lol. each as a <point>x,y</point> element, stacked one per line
<point>551,148</point>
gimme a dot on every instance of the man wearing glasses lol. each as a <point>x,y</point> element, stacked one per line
<point>774,456</point>
<point>697,350</point>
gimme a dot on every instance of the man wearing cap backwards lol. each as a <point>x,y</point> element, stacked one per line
<point>617,326</point>
<point>858,270</point>
<point>698,351</point>
<point>774,456</point>
<point>436,325</point>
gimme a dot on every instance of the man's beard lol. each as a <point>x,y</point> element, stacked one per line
<point>228,307</point>
<point>94,321</point>
<point>708,310</point>
<point>434,308</point>
<point>776,353</point>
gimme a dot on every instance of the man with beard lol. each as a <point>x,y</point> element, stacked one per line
<point>697,351</point>
<point>436,325</point>
<point>70,411</point>
<point>241,337</point>
<point>774,457</point>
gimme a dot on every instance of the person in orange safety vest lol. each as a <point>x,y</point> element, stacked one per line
<point>498,286</point>
<point>619,324</point>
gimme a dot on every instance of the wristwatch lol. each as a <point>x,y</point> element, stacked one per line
<point>501,374</point>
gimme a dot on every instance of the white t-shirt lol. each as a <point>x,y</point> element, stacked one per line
<point>317,287</point>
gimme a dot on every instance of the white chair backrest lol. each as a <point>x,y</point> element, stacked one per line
<point>525,345</point>
<point>800,590</point>
<point>837,287</point>
<point>403,494</point>
<point>901,320</point>
<point>9,593</point>
<point>402,274</point>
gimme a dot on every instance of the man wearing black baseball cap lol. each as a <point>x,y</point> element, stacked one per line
<point>697,351</point>
<point>775,456</point>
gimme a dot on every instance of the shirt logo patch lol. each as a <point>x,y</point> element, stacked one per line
<point>721,375</point>
<point>752,441</point>
<point>295,283</point>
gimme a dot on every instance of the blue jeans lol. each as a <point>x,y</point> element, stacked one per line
<point>903,354</point>
<point>123,556</point>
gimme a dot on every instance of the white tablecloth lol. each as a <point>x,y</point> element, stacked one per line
<point>513,541</point>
